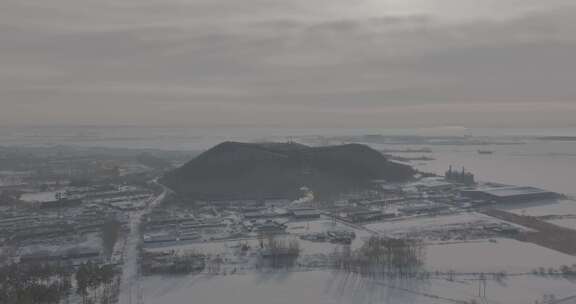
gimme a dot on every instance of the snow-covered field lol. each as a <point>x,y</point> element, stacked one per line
<point>423,225</point>
<point>502,255</point>
<point>517,259</point>
<point>563,207</point>
<point>323,287</point>
<point>499,255</point>
<point>562,213</point>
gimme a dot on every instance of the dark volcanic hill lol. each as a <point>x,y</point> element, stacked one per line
<point>233,170</point>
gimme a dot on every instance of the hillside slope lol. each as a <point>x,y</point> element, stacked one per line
<point>233,170</point>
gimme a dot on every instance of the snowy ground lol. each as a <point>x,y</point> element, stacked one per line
<point>562,213</point>
<point>517,259</point>
<point>333,288</point>
<point>503,255</point>
<point>442,223</point>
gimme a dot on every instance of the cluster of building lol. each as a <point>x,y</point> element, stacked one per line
<point>333,236</point>
<point>461,177</point>
<point>160,227</point>
<point>186,226</point>
<point>169,226</point>
<point>507,194</point>
<point>49,235</point>
<point>66,224</point>
<point>455,192</point>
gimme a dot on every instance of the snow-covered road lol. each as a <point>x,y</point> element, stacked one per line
<point>130,287</point>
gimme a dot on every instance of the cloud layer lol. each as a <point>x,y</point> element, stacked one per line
<point>288,63</point>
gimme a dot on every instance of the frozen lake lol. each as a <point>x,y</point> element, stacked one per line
<point>544,164</point>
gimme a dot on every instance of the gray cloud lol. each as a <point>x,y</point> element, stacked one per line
<point>332,62</point>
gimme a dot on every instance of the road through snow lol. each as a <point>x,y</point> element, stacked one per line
<point>130,292</point>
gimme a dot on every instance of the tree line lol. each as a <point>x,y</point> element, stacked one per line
<point>35,283</point>
<point>51,283</point>
<point>379,256</point>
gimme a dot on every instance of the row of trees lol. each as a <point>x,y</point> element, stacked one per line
<point>173,263</point>
<point>110,232</point>
<point>278,253</point>
<point>380,256</point>
<point>564,270</point>
<point>97,283</point>
<point>35,283</point>
<point>50,283</point>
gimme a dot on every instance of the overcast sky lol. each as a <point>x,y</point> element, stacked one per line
<point>356,63</point>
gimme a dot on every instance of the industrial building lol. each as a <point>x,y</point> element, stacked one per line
<point>305,213</point>
<point>509,194</point>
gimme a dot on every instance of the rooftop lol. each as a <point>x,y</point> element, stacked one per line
<point>512,191</point>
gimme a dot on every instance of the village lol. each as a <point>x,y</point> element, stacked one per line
<point>70,212</point>
<point>220,229</point>
<point>136,228</point>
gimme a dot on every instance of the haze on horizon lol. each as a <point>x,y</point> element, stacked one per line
<point>361,63</point>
